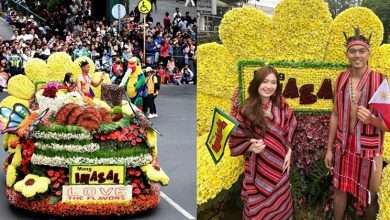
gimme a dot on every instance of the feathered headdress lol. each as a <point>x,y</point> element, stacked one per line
<point>357,39</point>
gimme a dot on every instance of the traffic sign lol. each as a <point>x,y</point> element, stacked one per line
<point>118,11</point>
<point>144,6</point>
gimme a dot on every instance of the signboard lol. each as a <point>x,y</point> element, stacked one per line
<point>221,128</point>
<point>144,6</point>
<point>118,11</point>
<point>207,7</point>
<point>92,193</point>
<point>96,175</point>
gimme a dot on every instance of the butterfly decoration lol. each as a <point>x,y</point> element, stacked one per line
<point>21,120</point>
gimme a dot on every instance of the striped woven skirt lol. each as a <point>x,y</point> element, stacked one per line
<point>352,174</point>
<point>277,206</point>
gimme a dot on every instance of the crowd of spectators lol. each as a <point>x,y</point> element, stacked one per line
<point>170,43</point>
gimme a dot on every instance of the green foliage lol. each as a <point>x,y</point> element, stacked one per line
<point>114,145</point>
<point>102,153</point>
<point>382,9</point>
<point>112,126</point>
<point>57,128</point>
<point>297,184</point>
<point>117,109</point>
<point>319,184</point>
<point>338,6</point>
<point>65,142</point>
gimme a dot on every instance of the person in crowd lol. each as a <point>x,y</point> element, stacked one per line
<point>152,92</point>
<point>264,135</point>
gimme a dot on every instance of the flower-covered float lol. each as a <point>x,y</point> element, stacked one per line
<point>71,155</point>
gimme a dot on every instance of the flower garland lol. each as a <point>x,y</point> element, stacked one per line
<point>57,161</point>
<point>69,147</point>
<point>45,135</point>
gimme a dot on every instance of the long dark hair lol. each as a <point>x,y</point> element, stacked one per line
<point>252,110</point>
<point>67,77</point>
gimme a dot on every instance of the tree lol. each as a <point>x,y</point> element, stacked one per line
<point>382,9</point>
<point>337,6</point>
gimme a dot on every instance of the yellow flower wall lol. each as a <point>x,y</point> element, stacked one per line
<point>360,17</point>
<point>299,33</point>
<point>300,30</point>
<point>247,26</point>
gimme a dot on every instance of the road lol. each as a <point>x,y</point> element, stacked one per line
<point>176,153</point>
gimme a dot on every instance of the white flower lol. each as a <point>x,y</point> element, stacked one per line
<point>92,147</point>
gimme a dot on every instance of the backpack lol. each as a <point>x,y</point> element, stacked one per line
<point>158,80</point>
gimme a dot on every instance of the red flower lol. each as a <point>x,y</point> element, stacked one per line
<point>136,191</point>
<point>138,139</point>
<point>133,142</point>
<point>135,185</point>
<point>56,185</point>
<point>50,173</point>
<point>137,173</point>
<point>58,193</point>
<point>57,174</point>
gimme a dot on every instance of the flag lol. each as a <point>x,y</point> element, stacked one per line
<point>221,128</point>
<point>380,101</point>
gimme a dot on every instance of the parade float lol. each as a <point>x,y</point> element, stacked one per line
<point>71,155</point>
<point>305,45</point>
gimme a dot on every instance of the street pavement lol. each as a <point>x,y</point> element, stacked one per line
<point>176,155</point>
<point>5,30</point>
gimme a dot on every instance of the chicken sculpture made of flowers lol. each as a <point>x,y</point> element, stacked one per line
<point>70,155</point>
<point>302,41</point>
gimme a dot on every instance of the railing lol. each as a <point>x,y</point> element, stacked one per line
<point>19,7</point>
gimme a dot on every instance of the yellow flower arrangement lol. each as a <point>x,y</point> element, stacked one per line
<point>126,108</point>
<point>21,87</point>
<point>151,137</point>
<point>237,28</point>
<point>360,17</point>
<point>386,147</point>
<point>36,70</point>
<point>380,61</point>
<point>155,174</point>
<point>219,71</point>
<point>31,185</point>
<point>211,178</point>
<point>300,30</point>
<point>96,76</point>
<point>11,175</point>
<point>17,158</point>
<point>384,195</point>
<point>58,65</point>
<point>10,101</point>
<point>10,139</point>
<point>76,69</point>
<point>5,140</point>
<point>205,109</point>
<point>102,104</point>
